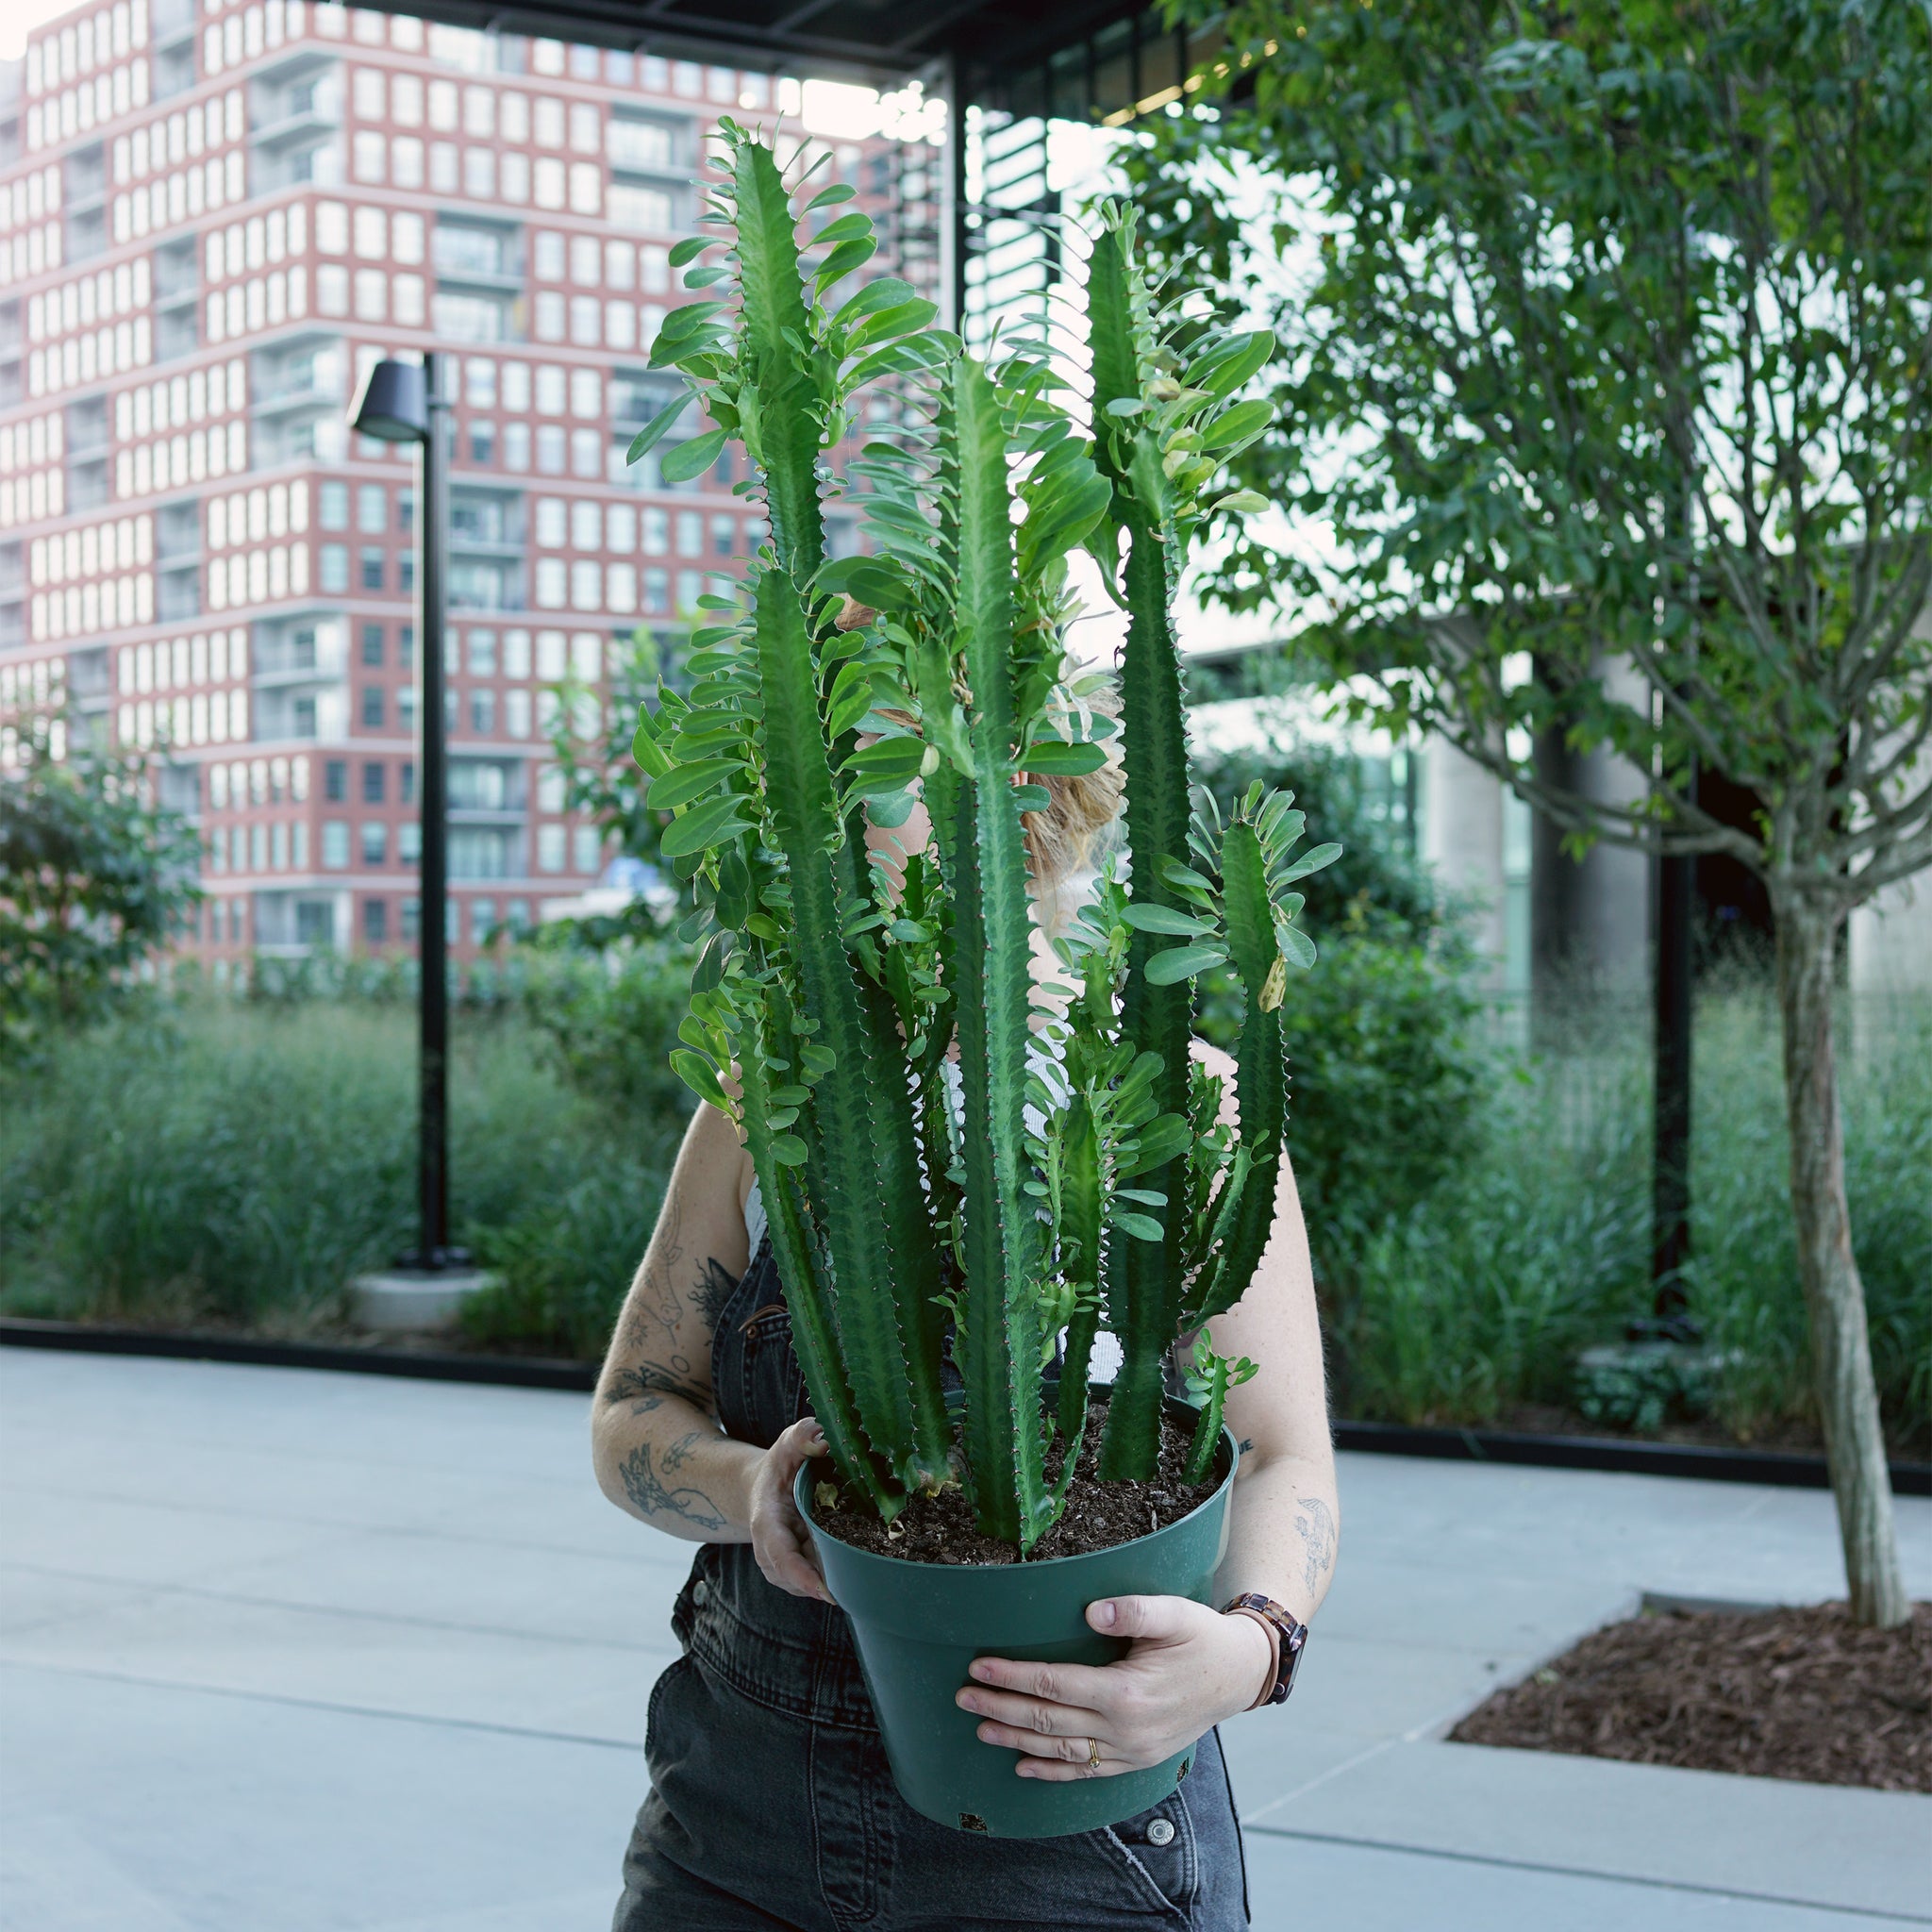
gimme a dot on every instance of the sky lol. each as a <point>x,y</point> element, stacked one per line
<point>19,18</point>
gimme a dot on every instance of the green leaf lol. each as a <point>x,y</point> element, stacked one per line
<point>693,459</point>
<point>689,249</point>
<point>846,229</point>
<point>843,259</point>
<point>653,432</point>
<point>1296,946</point>
<point>788,1149</point>
<point>1237,424</point>
<point>1182,962</point>
<point>699,1074</point>
<point>704,826</point>
<point>829,197</point>
<point>684,783</point>
<point>652,758</point>
<point>705,278</point>
<point>1052,759</point>
<point>1225,371</point>
<point>1144,916</point>
<point>1311,862</point>
<point>1143,1227</point>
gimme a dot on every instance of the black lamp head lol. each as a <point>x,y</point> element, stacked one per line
<point>394,403</point>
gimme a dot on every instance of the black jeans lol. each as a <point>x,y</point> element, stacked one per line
<point>771,1809</point>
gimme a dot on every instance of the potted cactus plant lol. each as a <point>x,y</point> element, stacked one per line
<point>945,1237</point>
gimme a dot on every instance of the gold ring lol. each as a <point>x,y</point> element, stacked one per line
<point>1093,1754</point>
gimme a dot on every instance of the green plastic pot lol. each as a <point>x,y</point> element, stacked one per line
<point>919,1625</point>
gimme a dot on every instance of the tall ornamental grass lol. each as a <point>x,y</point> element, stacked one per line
<point>1480,1296</point>
<point>235,1164</point>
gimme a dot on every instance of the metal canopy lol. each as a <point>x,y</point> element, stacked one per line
<point>879,40</point>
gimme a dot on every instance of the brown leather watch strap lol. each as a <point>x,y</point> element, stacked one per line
<point>1287,1635</point>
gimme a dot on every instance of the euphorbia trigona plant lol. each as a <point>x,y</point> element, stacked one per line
<point>1081,1169</point>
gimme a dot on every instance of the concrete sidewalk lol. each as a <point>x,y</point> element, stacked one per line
<point>283,1651</point>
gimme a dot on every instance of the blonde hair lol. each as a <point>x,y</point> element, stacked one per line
<point>1060,838</point>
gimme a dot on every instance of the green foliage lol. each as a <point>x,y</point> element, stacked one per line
<point>834,983</point>
<point>1539,273</point>
<point>1481,1292</point>
<point>1388,1084</point>
<point>93,881</point>
<point>233,1164</point>
<point>1643,1385</point>
<point>1375,884</point>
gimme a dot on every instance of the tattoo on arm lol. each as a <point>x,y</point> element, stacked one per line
<point>1315,1525</point>
<point>651,1496</point>
<point>713,1288</point>
<point>644,1386</point>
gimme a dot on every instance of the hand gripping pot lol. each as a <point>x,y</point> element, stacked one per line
<point>919,1626</point>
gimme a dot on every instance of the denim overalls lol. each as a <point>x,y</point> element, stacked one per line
<point>771,1809</point>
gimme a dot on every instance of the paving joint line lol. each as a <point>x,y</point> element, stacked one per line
<point>1689,1885</point>
<point>276,1603</point>
<point>334,1710</point>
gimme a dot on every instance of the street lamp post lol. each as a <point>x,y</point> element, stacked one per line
<point>402,402</point>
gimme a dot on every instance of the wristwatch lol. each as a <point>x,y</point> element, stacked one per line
<point>1287,1635</point>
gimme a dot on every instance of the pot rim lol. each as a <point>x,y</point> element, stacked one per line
<point>1026,1565</point>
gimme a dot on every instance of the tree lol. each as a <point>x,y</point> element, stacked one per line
<point>1607,345</point>
<point>93,881</point>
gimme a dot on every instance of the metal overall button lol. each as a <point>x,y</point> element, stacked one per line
<point>1160,1832</point>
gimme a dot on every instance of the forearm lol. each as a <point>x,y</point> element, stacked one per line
<point>1283,1532</point>
<point>663,1459</point>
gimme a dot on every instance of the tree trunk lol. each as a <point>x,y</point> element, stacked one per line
<point>1834,1294</point>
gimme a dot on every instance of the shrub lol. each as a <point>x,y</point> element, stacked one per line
<point>221,1162</point>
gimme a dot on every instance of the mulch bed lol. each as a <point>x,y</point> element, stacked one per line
<point>1797,1694</point>
<point>1098,1516</point>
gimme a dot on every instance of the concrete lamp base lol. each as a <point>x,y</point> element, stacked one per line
<point>407,1301</point>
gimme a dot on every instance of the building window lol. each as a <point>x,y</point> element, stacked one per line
<point>375,922</point>
<point>406,647</point>
<point>335,843</point>
<point>549,848</point>
<point>410,843</point>
<point>375,774</point>
<point>372,643</point>
<point>333,568</point>
<point>724,535</point>
<point>373,569</point>
<point>483,713</point>
<point>335,780</point>
<point>332,506</point>
<point>482,921</point>
<point>371,707</point>
<point>372,509</point>
<point>483,442</point>
<point>516,446</point>
<point>586,841</point>
<point>375,841</point>
<point>412,918</point>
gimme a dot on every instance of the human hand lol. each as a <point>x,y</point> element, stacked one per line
<point>779,1539</point>
<point>1188,1668</point>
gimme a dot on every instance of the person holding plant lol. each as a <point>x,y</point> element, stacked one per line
<point>947,1127</point>
<point>772,1805</point>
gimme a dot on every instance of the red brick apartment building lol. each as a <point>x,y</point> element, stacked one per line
<point>212,218</point>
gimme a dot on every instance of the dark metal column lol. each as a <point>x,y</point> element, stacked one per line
<point>1677,913</point>
<point>432,928</point>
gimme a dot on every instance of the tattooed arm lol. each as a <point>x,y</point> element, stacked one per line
<point>1285,1524</point>
<point>656,1443</point>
